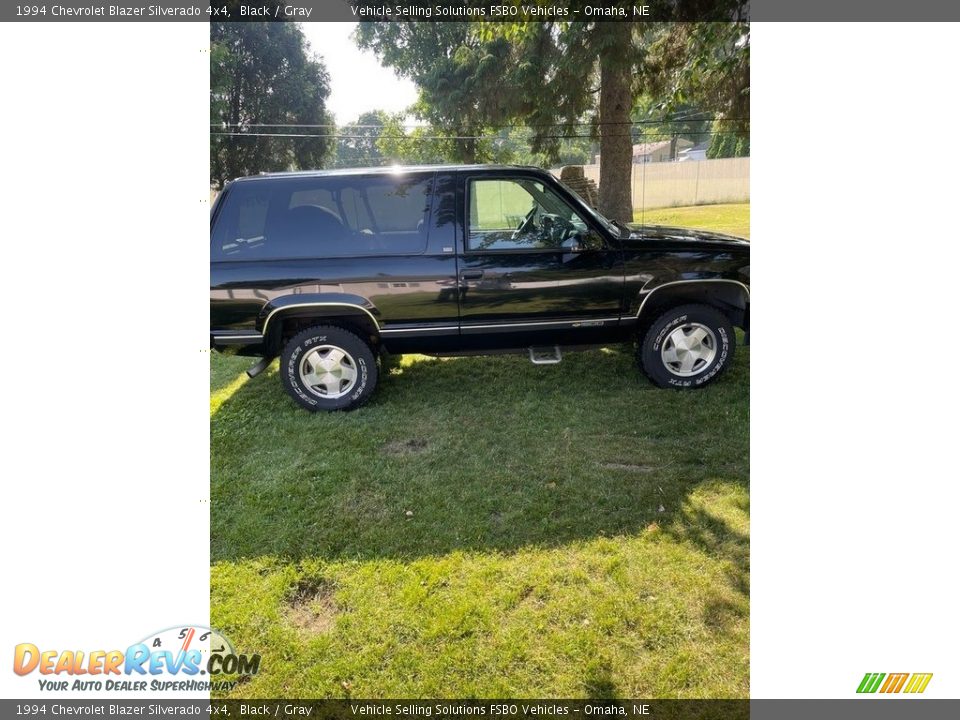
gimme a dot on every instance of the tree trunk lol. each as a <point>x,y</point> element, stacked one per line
<point>232,162</point>
<point>467,147</point>
<point>616,143</point>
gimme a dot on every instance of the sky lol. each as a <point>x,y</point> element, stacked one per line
<point>358,82</point>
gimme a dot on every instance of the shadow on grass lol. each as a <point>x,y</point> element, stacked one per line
<point>481,454</point>
<point>717,538</point>
<point>599,683</point>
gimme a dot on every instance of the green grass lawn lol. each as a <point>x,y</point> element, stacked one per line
<point>732,218</point>
<point>485,527</point>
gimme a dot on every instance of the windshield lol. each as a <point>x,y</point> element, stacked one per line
<point>610,226</point>
<point>614,227</point>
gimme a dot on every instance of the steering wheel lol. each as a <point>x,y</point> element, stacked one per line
<point>526,225</point>
<point>556,227</point>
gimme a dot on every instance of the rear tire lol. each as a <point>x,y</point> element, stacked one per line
<point>327,368</point>
<point>687,347</point>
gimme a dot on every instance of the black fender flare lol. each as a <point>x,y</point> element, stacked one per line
<point>740,292</point>
<point>314,304</point>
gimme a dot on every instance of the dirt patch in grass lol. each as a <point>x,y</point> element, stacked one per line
<point>405,447</point>
<point>311,607</point>
<point>368,504</point>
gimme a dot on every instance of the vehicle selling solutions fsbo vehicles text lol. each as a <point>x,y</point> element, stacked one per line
<point>495,11</point>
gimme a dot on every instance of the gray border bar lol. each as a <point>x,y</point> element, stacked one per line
<point>873,708</point>
<point>889,707</point>
<point>341,10</point>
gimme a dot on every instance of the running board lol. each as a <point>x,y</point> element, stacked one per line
<point>545,356</point>
<point>259,367</point>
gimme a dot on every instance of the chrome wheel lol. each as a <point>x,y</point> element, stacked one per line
<point>328,371</point>
<point>689,349</point>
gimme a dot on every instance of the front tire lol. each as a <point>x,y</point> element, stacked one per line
<point>687,347</point>
<point>327,368</point>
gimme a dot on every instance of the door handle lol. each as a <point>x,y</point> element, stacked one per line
<point>471,274</point>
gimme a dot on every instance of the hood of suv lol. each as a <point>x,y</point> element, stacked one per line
<point>664,233</point>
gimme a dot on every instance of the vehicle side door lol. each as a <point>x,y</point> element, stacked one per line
<point>531,260</point>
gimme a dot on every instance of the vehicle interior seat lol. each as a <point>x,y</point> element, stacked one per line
<point>309,229</point>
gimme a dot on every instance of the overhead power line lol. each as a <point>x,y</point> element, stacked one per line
<point>517,125</point>
<point>337,136</point>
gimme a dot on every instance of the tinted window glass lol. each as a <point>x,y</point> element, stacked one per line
<point>519,214</point>
<point>323,217</point>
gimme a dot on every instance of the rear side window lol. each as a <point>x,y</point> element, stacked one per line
<point>323,217</point>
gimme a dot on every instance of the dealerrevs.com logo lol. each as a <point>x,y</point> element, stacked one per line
<point>183,659</point>
<point>910,683</point>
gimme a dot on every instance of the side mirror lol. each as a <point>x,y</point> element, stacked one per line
<point>572,247</point>
<point>574,244</point>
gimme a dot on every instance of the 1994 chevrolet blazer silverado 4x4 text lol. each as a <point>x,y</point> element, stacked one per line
<point>328,269</point>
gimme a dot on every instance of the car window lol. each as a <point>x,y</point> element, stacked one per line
<point>519,214</point>
<point>323,217</point>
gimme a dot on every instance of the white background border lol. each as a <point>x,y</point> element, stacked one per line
<point>854,475</point>
<point>104,370</point>
<point>105,378</point>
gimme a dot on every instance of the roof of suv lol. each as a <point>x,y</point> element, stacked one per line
<point>386,170</point>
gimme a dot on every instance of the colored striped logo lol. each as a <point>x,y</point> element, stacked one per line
<point>894,682</point>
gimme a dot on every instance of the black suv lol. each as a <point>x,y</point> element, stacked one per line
<point>328,269</point>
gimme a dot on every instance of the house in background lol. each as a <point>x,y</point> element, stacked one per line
<point>697,152</point>
<point>660,150</point>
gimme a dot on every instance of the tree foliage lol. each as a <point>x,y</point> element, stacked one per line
<point>652,122</point>
<point>513,145</point>
<point>263,73</point>
<point>457,78</point>
<point>705,66</point>
<point>418,146</point>
<point>358,144</point>
<point>565,80</point>
<point>426,144</point>
<point>475,78</point>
